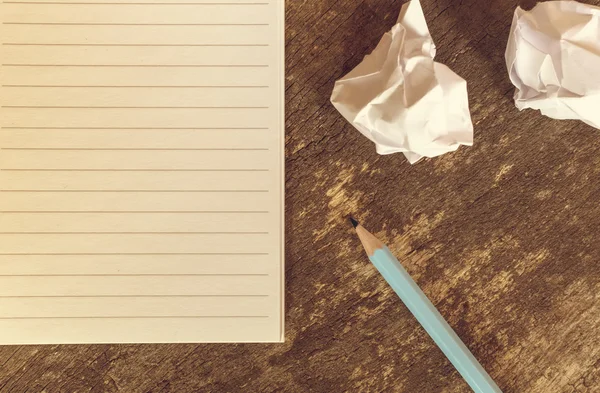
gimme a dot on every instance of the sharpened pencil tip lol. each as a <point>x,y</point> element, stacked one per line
<point>353,221</point>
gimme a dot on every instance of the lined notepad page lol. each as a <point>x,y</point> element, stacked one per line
<point>141,171</point>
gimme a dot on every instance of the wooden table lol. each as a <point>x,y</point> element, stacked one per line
<point>503,237</point>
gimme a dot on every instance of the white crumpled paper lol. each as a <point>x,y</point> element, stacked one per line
<point>553,58</point>
<point>401,99</point>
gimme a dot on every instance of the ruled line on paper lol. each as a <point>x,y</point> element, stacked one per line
<point>136,128</point>
<point>144,86</point>
<point>139,191</point>
<point>126,296</point>
<point>142,317</point>
<point>137,149</point>
<point>127,3</point>
<point>133,233</point>
<point>134,45</point>
<point>142,275</point>
<point>128,170</point>
<point>129,107</point>
<point>129,212</point>
<point>143,65</point>
<point>131,24</point>
<point>130,253</point>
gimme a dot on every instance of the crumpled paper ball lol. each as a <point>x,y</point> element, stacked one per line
<point>553,59</point>
<point>401,99</point>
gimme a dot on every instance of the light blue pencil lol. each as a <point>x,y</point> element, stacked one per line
<point>427,315</point>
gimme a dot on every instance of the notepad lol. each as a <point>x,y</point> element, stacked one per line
<point>141,171</point>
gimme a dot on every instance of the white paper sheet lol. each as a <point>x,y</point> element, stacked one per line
<point>553,59</point>
<point>401,99</point>
<point>141,171</point>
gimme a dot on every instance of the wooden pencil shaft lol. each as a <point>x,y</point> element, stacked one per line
<point>427,315</point>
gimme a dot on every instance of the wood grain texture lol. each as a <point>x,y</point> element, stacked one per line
<point>503,237</point>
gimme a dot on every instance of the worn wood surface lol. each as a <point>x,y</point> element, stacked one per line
<point>503,237</point>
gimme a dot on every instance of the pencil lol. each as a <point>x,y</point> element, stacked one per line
<point>427,315</point>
